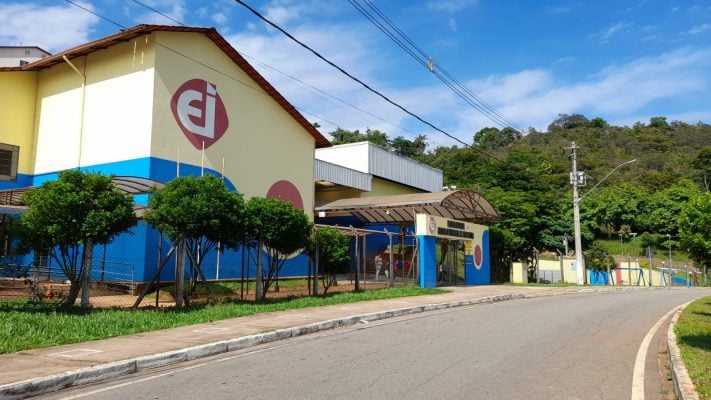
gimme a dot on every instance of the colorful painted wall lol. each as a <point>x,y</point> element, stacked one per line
<point>17,112</point>
<point>137,108</point>
<point>477,263</point>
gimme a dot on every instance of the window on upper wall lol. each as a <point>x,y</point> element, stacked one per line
<point>23,63</point>
<point>9,155</point>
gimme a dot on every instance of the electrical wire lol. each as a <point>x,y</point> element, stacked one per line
<point>339,100</point>
<point>390,29</point>
<point>365,85</point>
<point>226,75</point>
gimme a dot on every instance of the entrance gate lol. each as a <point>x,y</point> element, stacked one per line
<point>476,248</point>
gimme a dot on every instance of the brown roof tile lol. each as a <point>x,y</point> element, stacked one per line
<point>139,30</point>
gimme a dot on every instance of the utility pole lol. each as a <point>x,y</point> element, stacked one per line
<point>578,179</point>
<point>575,180</point>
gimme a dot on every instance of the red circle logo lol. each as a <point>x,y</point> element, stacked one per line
<point>286,190</point>
<point>477,256</point>
<point>200,112</point>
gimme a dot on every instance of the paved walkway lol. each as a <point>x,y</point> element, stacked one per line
<point>39,371</point>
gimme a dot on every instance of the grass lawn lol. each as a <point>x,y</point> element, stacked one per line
<point>25,326</point>
<point>693,333</point>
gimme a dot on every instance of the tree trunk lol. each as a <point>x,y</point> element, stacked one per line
<point>86,273</point>
<point>179,273</point>
<point>73,293</point>
<point>258,293</point>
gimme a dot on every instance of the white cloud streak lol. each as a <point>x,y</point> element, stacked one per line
<point>52,28</point>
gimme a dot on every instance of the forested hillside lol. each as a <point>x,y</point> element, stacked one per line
<point>526,177</point>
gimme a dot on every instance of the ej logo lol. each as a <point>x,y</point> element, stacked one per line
<point>200,112</point>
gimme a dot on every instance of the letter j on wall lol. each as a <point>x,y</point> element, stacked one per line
<point>200,113</point>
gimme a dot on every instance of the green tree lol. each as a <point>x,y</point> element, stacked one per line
<point>421,144</point>
<point>493,138</point>
<point>281,229</point>
<point>197,214</point>
<point>67,217</point>
<point>377,137</point>
<point>660,211</point>
<point>333,254</point>
<point>702,167</point>
<point>597,258</point>
<point>344,136</point>
<point>566,121</point>
<point>404,147</point>
<point>695,229</point>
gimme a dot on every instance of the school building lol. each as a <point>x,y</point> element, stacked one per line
<point>154,102</point>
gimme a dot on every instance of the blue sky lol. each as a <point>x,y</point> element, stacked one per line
<point>624,61</point>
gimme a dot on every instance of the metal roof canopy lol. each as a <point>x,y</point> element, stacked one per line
<point>11,199</point>
<point>462,205</point>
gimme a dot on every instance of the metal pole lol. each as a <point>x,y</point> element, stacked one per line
<point>670,259</point>
<point>357,263</point>
<point>260,270</point>
<point>365,259</point>
<point>650,265</point>
<point>636,260</point>
<point>390,266</point>
<point>315,282</point>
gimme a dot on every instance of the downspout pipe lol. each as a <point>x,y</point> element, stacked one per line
<point>83,98</point>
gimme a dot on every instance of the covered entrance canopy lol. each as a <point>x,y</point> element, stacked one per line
<point>11,199</point>
<point>462,205</point>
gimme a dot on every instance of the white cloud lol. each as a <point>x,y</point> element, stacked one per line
<point>607,33</point>
<point>170,12</point>
<point>450,6</point>
<point>53,28</point>
<point>534,98</point>
<point>219,18</point>
<point>700,29</point>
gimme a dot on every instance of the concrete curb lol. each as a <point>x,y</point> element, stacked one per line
<point>47,384</point>
<point>683,385</point>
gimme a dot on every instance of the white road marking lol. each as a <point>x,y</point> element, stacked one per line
<point>75,353</point>
<point>211,330</point>
<point>638,374</point>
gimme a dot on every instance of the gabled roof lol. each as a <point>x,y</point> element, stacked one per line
<point>211,33</point>
<point>463,205</point>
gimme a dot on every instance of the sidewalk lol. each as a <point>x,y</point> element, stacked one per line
<point>34,372</point>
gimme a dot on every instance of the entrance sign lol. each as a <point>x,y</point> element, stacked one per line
<point>476,248</point>
<point>432,225</point>
<point>200,112</point>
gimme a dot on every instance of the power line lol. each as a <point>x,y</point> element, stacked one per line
<point>226,75</point>
<point>292,78</point>
<point>390,29</point>
<point>365,85</point>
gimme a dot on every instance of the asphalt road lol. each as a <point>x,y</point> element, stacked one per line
<point>580,346</point>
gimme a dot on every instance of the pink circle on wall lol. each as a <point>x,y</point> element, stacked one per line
<point>477,256</point>
<point>286,190</point>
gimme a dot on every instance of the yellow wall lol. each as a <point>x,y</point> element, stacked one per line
<point>263,143</point>
<point>17,114</point>
<point>381,187</point>
<point>329,195</point>
<point>109,120</point>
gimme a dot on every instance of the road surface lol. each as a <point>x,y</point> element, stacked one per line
<point>581,346</point>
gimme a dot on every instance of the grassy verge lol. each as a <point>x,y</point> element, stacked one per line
<point>693,333</point>
<point>24,326</point>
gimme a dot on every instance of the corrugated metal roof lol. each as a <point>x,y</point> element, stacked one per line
<point>337,174</point>
<point>132,185</point>
<point>372,159</point>
<point>139,30</point>
<point>463,205</point>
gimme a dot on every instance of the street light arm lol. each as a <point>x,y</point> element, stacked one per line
<point>606,176</point>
